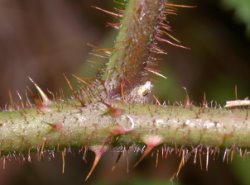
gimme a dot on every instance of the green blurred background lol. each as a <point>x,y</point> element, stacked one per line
<point>46,38</point>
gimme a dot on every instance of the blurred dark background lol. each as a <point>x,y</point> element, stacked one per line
<point>44,39</point>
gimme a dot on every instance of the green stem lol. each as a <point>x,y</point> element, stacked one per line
<point>92,123</point>
<point>68,124</point>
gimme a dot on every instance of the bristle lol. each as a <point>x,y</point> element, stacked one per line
<point>122,90</point>
<point>68,82</point>
<point>181,164</point>
<point>108,12</point>
<point>233,149</point>
<point>97,49</point>
<point>41,149</point>
<point>179,5</point>
<point>200,158</point>
<point>204,103</point>
<point>225,155</point>
<point>99,55</point>
<point>117,160</point>
<point>11,100</point>
<point>120,11</point>
<point>195,154</point>
<point>19,96</point>
<point>236,92</point>
<point>170,11</point>
<point>75,93</point>
<point>207,158</point>
<point>28,102</point>
<point>94,62</point>
<point>157,100</point>
<point>157,159</point>
<point>21,102</point>
<point>155,72</point>
<point>4,163</point>
<point>119,3</point>
<point>157,50</point>
<point>29,156</point>
<point>187,101</point>
<point>171,43</point>
<point>163,26</point>
<point>54,98</point>
<point>169,35</point>
<point>116,25</point>
<point>81,80</point>
<point>63,160</point>
<point>84,156</point>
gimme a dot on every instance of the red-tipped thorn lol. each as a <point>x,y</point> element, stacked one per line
<point>45,100</point>
<point>55,126</point>
<point>99,150</point>
<point>119,130</point>
<point>113,111</point>
<point>151,142</point>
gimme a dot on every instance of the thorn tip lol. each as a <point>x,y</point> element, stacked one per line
<point>45,100</point>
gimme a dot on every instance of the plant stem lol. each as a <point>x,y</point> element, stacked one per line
<point>71,124</point>
<point>68,124</point>
<point>131,50</point>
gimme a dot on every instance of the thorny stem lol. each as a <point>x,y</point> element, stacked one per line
<point>131,49</point>
<point>68,124</point>
<point>71,124</point>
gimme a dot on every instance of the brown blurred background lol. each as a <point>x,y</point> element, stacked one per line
<point>46,38</point>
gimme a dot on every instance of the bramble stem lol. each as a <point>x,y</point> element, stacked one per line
<point>68,124</point>
<point>131,50</point>
<point>71,124</point>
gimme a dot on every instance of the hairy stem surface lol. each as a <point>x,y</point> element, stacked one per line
<point>131,49</point>
<point>68,124</point>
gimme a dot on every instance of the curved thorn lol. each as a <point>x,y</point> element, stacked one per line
<point>99,150</point>
<point>151,142</point>
<point>45,100</point>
